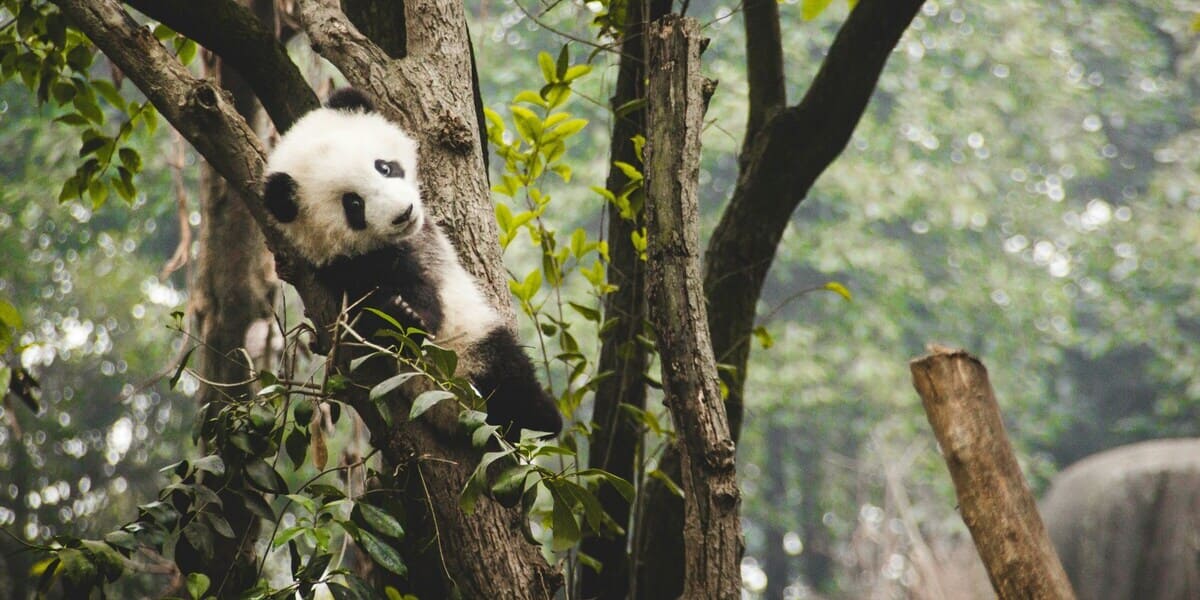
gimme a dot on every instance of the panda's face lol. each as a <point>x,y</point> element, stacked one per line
<point>343,183</point>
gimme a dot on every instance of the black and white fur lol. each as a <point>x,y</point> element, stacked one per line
<point>342,182</point>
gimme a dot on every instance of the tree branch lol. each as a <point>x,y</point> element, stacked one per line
<point>993,496</point>
<point>780,166</point>
<point>235,34</point>
<point>675,111</point>
<point>764,65</point>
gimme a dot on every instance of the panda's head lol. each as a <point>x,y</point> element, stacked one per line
<point>343,181</point>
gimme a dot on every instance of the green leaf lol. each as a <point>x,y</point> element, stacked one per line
<point>109,92</point>
<point>296,445</point>
<point>811,9</point>
<point>383,554</point>
<point>210,464</point>
<point>79,58</point>
<point>131,159</point>
<point>256,504</point>
<point>630,171</point>
<point>531,97</point>
<point>179,370</point>
<point>388,385</point>
<point>576,72</point>
<point>764,337</point>
<point>587,312</point>
<point>564,61</point>
<point>219,524</point>
<point>74,119</point>
<point>426,401</point>
<point>87,107</point>
<point>381,521</point>
<point>511,483</point>
<point>666,480</point>
<point>263,476</point>
<point>628,107</point>
<point>547,65</point>
<point>565,527</point>
<point>10,322</point>
<point>529,126</point>
<point>838,289</point>
<point>186,50</point>
<point>92,144</point>
<point>197,584</point>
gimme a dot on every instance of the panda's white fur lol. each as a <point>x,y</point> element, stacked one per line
<point>329,152</point>
<point>342,184</point>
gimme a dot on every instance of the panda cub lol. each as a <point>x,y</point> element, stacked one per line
<point>342,183</point>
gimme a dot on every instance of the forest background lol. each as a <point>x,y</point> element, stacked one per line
<point>1023,184</point>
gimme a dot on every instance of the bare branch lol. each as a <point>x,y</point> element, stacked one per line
<point>244,42</point>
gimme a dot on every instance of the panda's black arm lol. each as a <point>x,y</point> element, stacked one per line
<point>387,280</point>
<point>515,398</point>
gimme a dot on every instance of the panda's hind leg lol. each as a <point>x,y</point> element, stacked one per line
<point>506,378</point>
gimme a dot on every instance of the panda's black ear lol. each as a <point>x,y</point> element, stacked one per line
<point>350,99</point>
<point>279,194</point>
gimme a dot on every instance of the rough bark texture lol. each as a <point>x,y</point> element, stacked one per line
<point>1126,522</point>
<point>487,557</point>
<point>712,532</point>
<point>616,436</point>
<point>993,496</point>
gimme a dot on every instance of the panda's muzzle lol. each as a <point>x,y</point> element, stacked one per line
<point>400,220</point>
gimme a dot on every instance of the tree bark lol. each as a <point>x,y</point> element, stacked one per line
<point>993,496</point>
<point>233,291</point>
<point>247,43</point>
<point>712,532</point>
<point>783,153</point>
<point>430,94</point>
<point>616,436</point>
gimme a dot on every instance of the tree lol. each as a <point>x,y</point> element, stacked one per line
<point>419,66</point>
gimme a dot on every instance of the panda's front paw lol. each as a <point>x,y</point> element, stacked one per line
<point>409,314</point>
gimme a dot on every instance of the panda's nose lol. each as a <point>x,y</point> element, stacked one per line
<point>404,217</point>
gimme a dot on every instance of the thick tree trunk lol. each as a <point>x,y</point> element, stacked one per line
<point>430,94</point>
<point>712,532</point>
<point>993,496</point>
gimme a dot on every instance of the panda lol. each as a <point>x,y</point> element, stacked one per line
<point>342,184</point>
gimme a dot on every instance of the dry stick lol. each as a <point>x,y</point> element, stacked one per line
<point>712,534</point>
<point>993,496</point>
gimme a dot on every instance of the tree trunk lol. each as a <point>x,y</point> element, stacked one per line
<point>712,532</point>
<point>993,496</point>
<point>616,436</point>
<point>775,561</point>
<point>431,94</point>
<point>232,299</point>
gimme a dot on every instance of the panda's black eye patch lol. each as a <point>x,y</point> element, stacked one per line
<point>389,168</point>
<point>356,213</point>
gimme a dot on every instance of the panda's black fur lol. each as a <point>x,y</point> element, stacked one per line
<point>342,184</point>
